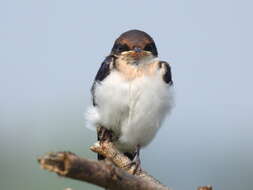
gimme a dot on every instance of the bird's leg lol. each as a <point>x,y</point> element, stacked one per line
<point>104,134</point>
<point>137,160</point>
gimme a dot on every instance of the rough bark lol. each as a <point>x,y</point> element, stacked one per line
<point>101,173</point>
<point>116,172</point>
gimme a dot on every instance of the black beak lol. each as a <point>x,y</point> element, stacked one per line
<point>137,50</point>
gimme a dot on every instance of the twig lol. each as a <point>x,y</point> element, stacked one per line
<point>108,150</point>
<point>209,187</point>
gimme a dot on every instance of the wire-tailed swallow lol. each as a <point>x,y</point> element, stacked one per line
<point>132,92</point>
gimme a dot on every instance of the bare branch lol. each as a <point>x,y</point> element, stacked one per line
<point>108,150</point>
<point>102,173</point>
<point>116,172</point>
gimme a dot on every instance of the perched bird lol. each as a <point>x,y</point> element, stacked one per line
<point>132,93</point>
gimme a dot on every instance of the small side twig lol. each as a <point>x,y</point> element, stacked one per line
<point>108,150</point>
<point>209,187</point>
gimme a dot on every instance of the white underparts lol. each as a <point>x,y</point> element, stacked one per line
<point>133,109</point>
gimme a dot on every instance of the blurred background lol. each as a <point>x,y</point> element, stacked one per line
<point>50,51</point>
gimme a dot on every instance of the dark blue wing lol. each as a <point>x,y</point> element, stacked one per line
<point>104,70</point>
<point>102,73</point>
<point>167,77</point>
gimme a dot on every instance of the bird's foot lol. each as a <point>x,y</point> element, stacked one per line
<point>134,166</point>
<point>104,134</point>
<point>136,162</point>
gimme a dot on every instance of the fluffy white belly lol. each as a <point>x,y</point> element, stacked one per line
<point>133,109</point>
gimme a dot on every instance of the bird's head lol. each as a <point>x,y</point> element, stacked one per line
<point>135,45</point>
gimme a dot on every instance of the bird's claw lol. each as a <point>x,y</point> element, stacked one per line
<point>104,134</point>
<point>136,162</point>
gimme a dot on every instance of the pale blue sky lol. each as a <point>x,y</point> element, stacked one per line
<point>51,50</point>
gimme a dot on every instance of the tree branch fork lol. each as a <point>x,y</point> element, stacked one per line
<point>114,173</point>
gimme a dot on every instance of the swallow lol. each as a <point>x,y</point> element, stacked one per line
<point>132,93</point>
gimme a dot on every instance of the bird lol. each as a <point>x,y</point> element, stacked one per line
<point>132,93</point>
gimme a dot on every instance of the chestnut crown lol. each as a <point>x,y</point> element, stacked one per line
<point>134,40</point>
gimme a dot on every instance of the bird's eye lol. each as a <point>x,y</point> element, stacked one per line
<point>149,48</point>
<point>120,48</point>
<point>123,47</point>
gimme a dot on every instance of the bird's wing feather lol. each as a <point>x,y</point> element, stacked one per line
<point>104,70</point>
<point>167,77</point>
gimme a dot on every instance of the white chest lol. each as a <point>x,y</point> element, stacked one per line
<point>133,109</point>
